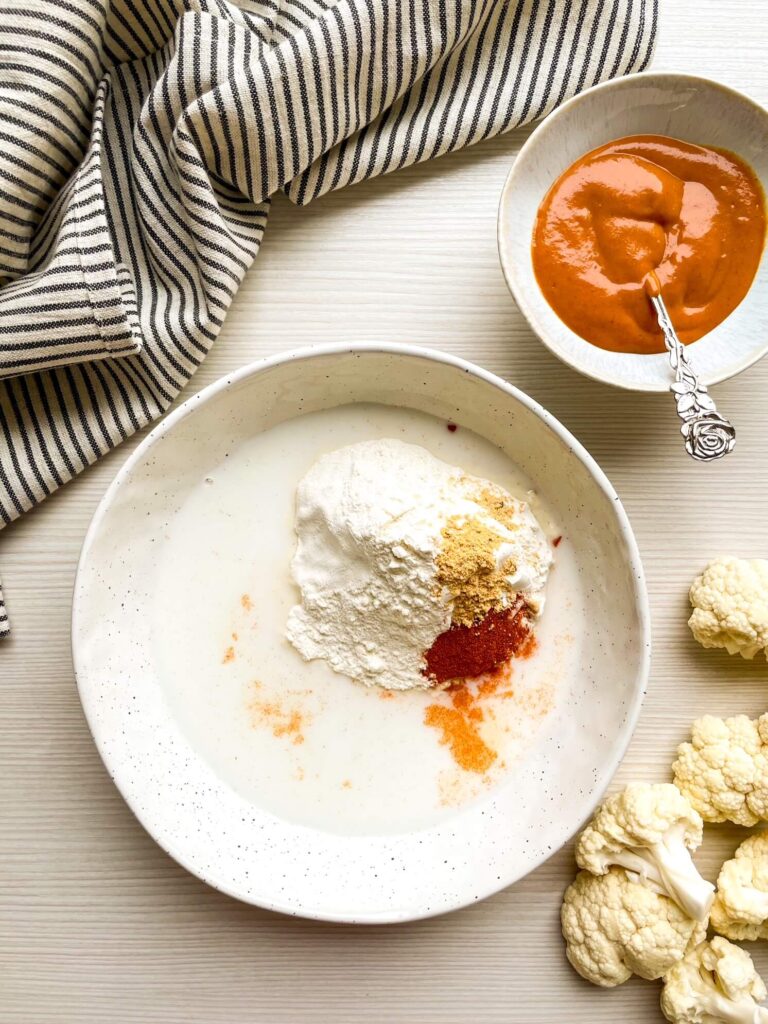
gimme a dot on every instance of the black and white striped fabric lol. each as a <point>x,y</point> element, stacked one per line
<point>141,140</point>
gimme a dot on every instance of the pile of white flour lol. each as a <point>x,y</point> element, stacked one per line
<point>369,520</point>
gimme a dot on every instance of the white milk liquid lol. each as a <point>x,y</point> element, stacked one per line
<point>293,737</point>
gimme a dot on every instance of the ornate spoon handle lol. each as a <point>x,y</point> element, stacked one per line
<point>708,435</point>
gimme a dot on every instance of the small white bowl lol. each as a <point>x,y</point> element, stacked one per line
<point>682,106</point>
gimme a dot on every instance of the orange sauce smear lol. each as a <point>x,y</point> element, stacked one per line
<point>694,215</point>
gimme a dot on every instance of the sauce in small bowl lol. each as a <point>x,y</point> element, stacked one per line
<point>648,106</point>
<point>692,215</point>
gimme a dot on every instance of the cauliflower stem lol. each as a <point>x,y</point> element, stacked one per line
<point>669,866</point>
<point>649,829</point>
<point>715,983</point>
<point>714,1003</point>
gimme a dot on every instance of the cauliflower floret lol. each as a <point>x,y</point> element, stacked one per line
<point>650,830</point>
<point>723,771</point>
<point>614,928</point>
<point>740,910</point>
<point>716,983</point>
<point>730,606</point>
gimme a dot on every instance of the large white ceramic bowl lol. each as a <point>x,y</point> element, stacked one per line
<point>682,106</point>
<point>243,848</point>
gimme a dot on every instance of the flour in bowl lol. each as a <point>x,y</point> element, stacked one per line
<point>398,553</point>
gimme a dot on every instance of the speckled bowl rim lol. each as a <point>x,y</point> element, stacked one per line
<point>508,265</point>
<point>639,593</point>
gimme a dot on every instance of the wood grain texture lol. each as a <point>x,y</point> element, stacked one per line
<point>96,923</point>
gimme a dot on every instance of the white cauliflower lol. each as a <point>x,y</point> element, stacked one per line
<point>723,771</point>
<point>716,983</point>
<point>650,829</point>
<point>615,927</point>
<point>740,910</point>
<point>730,606</point>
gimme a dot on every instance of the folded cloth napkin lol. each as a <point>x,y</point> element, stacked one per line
<point>142,140</point>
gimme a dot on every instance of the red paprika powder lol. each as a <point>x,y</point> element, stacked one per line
<point>464,652</point>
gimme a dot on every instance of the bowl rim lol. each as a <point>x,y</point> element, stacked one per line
<point>508,265</point>
<point>639,593</point>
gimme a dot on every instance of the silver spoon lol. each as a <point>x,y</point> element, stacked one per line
<point>708,435</point>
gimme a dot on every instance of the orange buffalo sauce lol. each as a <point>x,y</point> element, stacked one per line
<point>694,215</point>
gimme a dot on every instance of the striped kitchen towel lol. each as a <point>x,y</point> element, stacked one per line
<point>142,140</point>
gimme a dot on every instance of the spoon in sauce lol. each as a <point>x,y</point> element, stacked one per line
<point>708,435</point>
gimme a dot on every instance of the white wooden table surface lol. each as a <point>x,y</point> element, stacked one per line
<point>96,922</point>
